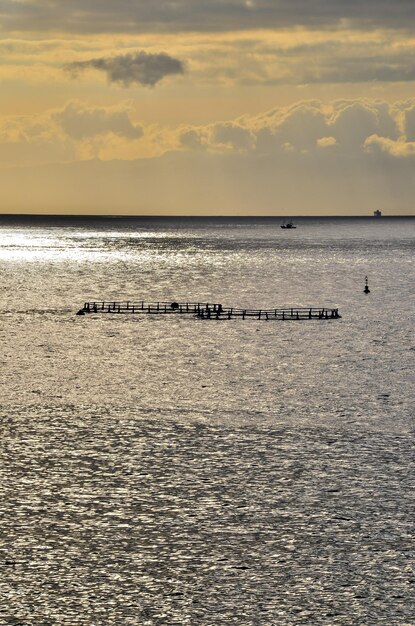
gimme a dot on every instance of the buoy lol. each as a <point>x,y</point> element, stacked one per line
<point>366,289</point>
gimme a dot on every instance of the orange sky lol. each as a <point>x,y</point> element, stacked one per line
<point>256,107</point>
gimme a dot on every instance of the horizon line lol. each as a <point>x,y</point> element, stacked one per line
<point>204,216</point>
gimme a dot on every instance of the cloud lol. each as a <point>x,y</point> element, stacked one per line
<point>344,128</point>
<point>352,122</point>
<point>311,157</point>
<point>140,68</point>
<point>76,131</point>
<point>87,16</point>
<point>193,139</point>
<point>399,148</point>
<point>302,57</point>
<point>300,125</point>
<point>326,142</point>
<point>307,127</point>
<point>409,121</point>
<point>80,121</point>
<point>245,58</point>
<point>303,127</point>
<point>233,135</point>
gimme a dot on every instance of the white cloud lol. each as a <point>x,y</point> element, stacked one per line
<point>232,135</point>
<point>303,127</point>
<point>326,142</point>
<point>395,148</point>
<point>76,131</point>
<point>352,122</point>
<point>193,139</point>
<point>342,157</point>
<point>409,121</point>
<point>79,121</point>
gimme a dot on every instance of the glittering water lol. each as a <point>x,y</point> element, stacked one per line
<point>167,471</point>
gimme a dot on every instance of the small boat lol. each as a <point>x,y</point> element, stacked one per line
<point>288,225</point>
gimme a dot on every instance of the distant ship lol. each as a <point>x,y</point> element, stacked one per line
<point>377,213</point>
<point>288,225</point>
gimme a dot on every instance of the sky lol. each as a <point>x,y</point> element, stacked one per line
<point>198,107</point>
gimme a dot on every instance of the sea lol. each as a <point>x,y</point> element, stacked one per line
<point>163,470</point>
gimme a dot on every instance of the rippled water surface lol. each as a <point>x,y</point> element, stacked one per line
<point>167,470</point>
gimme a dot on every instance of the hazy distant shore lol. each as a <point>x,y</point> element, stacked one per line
<point>51,219</point>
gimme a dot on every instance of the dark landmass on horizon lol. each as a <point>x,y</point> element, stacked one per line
<point>59,220</point>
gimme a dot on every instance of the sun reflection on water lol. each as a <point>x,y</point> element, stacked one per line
<point>42,245</point>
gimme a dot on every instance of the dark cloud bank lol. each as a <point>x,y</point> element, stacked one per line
<point>202,15</point>
<point>140,68</point>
